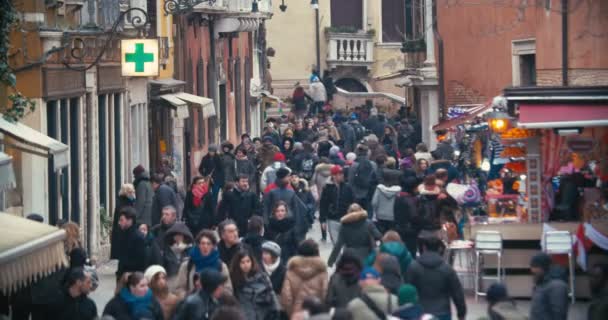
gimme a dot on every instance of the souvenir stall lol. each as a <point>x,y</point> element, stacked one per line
<point>556,179</point>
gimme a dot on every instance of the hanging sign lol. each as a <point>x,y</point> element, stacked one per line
<point>139,57</point>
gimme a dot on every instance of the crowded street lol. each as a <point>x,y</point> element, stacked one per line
<point>303,160</point>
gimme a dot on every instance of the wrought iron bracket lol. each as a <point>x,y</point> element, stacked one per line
<point>177,7</point>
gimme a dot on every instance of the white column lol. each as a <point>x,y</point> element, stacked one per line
<point>177,153</point>
<point>433,114</point>
<point>429,36</point>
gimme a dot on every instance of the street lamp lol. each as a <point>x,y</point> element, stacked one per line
<point>283,7</point>
<point>498,121</point>
<point>315,6</point>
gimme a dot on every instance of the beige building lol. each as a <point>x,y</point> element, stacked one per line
<point>360,47</point>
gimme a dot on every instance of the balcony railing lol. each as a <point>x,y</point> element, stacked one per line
<point>350,49</point>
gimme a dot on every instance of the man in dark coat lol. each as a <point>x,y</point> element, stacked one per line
<point>336,197</point>
<point>131,253</point>
<point>296,207</point>
<point>74,303</point>
<point>228,162</point>
<point>167,220</point>
<point>240,204</point>
<point>163,196</point>
<point>201,304</point>
<point>348,135</point>
<point>211,166</point>
<point>436,282</point>
<point>144,194</point>
<point>230,243</point>
<point>550,294</point>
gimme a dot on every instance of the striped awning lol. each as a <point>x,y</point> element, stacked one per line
<point>29,250</point>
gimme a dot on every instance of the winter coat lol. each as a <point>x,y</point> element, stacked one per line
<point>253,243</point>
<point>163,196</point>
<point>598,308</point>
<point>406,216</point>
<point>240,206</point>
<point>385,301</point>
<point>265,155</point>
<point>283,232</point>
<point>437,284</point>
<point>131,251</point>
<point>359,191</point>
<point>550,298</point>
<point>229,167</point>
<point>383,202</point>
<point>376,150</point>
<point>256,298</point>
<point>342,290</point>
<point>296,208</point>
<point>201,217</point>
<point>119,309</point>
<point>173,258</point>
<point>159,231</point>
<point>409,312</point>
<point>453,173</point>
<point>144,197</point>
<point>185,277</point>
<point>277,277</point>
<point>68,308</point>
<point>212,166</point>
<point>335,201</point>
<point>305,134</point>
<point>349,138</point>
<point>305,277</point>
<point>354,234</point>
<point>122,202</point>
<point>227,253</point>
<point>269,175</point>
<point>152,252</point>
<point>389,177</point>
<point>316,91</point>
<point>246,167</point>
<point>391,278</point>
<point>336,160</point>
<point>197,306</point>
<point>395,249</point>
<point>321,176</point>
<point>307,198</point>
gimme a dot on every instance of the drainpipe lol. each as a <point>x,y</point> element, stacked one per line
<point>565,43</point>
<point>318,40</point>
<point>440,77</point>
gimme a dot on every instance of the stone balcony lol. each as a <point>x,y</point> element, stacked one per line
<point>350,50</point>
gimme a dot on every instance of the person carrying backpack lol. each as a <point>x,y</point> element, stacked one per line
<point>374,302</point>
<point>362,177</point>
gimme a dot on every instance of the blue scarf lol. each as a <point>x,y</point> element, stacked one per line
<point>203,262</point>
<point>140,307</point>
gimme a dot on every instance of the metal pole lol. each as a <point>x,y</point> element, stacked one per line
<point>565,43</point>
<point>318,41</point>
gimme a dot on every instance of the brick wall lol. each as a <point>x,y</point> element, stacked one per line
<point>576,77</point>
<point>459,93</point>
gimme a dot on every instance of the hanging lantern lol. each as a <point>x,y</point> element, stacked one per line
<point>499,121</point>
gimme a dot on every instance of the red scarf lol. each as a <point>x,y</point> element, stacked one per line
<point>198,192</point>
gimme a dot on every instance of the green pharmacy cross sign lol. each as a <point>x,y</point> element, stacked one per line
<point>139,57</point>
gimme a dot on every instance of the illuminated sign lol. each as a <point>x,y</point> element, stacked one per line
<point>139,57</point>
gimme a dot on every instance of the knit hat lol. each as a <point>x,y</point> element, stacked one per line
<point>211,279</point>
<point>267,139</point>
<point>278,157</point>
<point>282,173</point>
<point>333,151</point>
<point>298,146</point>
<point>272,247</point>
<point>138,170</point>
<point>152,271</point>
<point>212,148</point>
<point>496,292</point>
<point>541,260</point>
<point>369,273</point>
<point>336,170</point>
<point>407,294</point>
<point>351,156</point>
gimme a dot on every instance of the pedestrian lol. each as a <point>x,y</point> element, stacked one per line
<point>409,308</point>
<point>306,276</point>
<point>282,230</point>
<point>348,134</point>
<point>202,304</point>
<point>73,302</point>
<point>167,220</point>
<point>500,305</point>
<point>252,288</point>
<point>334,156</point>
<point>300,187</point>
<point>269,175</point>
<point>374,302</point>
<point>130,244</point>
<point>422,168</point>
<point>436,282</point>
<point>126,198</point>
<point>295,207</point>
<point>383,204</point>
<point>211,166</point>
<point>203,256</point>
<point>163,196</point>
<point>176,246</point>
<point>157,281</point>
<point>298,99</point>
<point>254,238</point>
<point>355,233</point>
<point>228,162</point>
<point>287,148</point>
<point>230,243</point>
<point>598,281</point>
<point>144,194</point>
<point>322,175</point>
<point>198,207</point>
<point>247,146</point>
<point>152,253</point>
<point>406,216</point>
<point>344,283</point>
<point>305,162</point>
<point>392,245</point>
<point>266,154</point>
<point>245,166</point>
<point>390,272</point>
<point>240,204</point>
<point>336,197</point>
<point>389,142</point>
<point>134,301</point>
<point>316,91</point>
<point>273,265</point>
<point>550,293</point>
<point>362,176</point>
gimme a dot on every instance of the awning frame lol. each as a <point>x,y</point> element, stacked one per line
<point>179,102</point>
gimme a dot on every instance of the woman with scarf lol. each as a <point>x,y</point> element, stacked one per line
<point>344,283</point>
<point>198,206</point>
<point>126,198</point>
<point>252,288</point>
<point>204,255</point>
<point>281,229</point>
<point>152,250</point>
<point>134,300</point>
<point>273,265</point>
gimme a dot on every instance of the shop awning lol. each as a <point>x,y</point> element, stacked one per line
<point>35,142</point>
<point>28,251</point>
<point>540,116</point>
<point>470,114</point>
<point>7,175</point>
<point>180,101</point>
